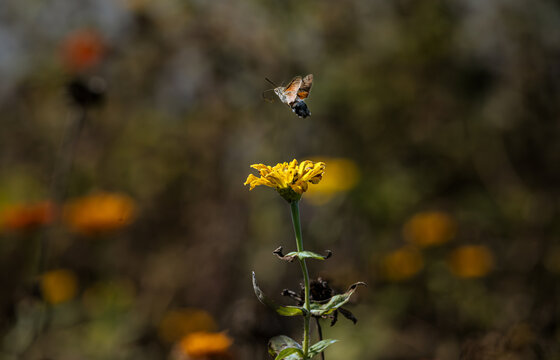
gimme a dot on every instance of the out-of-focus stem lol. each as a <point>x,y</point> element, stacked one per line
<point>320,332</point>
<point>59,181</point>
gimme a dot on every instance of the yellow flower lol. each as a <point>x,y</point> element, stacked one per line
<point>471,261</point>
<point>402,263</point>
<point>99,213</point>
<point>343,176</point>
<point>58,286</point>
<point>202,344</point>
<point>180,322</point>
<point>289,179</point>
<point>430,228</point>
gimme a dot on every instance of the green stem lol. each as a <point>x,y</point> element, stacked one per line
<point>299,240</point>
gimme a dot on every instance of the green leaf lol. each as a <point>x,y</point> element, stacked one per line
<point>320,346</point>
<point>300,254</point>
<point>284,347</point>
<point>318,309</point>
<point>281,310</point>
<point>309,254</point>
<point>289,354</point>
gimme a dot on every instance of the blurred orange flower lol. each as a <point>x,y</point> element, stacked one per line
<point>180,322</point>
<point>430,228</point>
<point>470,261</point>
<point>99,213</point>
<point>343,175</point>
<point>203,344</point>
<point>82,50</point>
<point>24,217</point>
<point>58,286</point>
<point>402,263</point>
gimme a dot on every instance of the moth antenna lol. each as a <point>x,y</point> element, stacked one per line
<point>270,81</point>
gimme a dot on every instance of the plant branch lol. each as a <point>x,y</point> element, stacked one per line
<point>299,241</point>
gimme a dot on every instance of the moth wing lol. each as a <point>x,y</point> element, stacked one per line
<point>266,97</point>
<point>305,87</point>
<point>291,90</point>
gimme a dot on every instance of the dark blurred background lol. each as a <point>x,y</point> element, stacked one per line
<point>128,128</point>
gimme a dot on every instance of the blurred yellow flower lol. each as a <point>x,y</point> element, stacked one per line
<point>98,213</point>
<point>343,176</point>
<point>24,217</point>
<point>180,322</point>
<point>402,263</point>
<point>470,261</point>
<point>289,179</point>
<point>202,344</point>
<point>430,228</point>
<point>58,286</point>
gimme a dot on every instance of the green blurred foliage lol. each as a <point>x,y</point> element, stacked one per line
<point>449,106</point>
